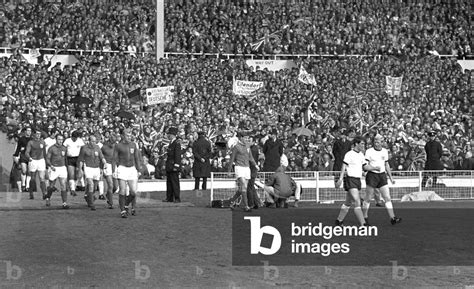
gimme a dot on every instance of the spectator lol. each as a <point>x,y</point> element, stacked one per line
<point>446,161</point>
<point>328,27</point>
<point>434,152</point>
<point>147,169</point>
<point>326,163</point>
<point>272,149</point>
<point>202,155</point>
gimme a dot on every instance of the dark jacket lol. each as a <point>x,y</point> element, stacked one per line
<point>202,150</point>
<point>339,150</point>
<point>272,151</point>
<point>283,185</point>
<point>173,160</point>
<point>434,150</point>
<point>253,169</point>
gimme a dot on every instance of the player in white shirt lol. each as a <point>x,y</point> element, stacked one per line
<point>377,156</point>
<point>73,145</point>
<point>51,139</point>
<point>351,173</point>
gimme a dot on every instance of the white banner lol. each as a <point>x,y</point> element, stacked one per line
<point>394,85</point>
<point>466,64</point>
<point>271,65</point>
<point>159,95</point>
<point>242,87</point>
<point>35,53</point>
<point>305,77</point>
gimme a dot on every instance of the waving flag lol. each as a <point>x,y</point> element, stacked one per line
<point>305,77</point>
<point>310,111</point>
<point>257,44</point>
<point>393,85</point>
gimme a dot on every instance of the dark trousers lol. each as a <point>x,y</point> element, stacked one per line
<point>172,186</point>
<point>252,195</point>
<point>196,183</point>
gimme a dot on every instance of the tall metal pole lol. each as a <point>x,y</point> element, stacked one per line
<point>160,29</point>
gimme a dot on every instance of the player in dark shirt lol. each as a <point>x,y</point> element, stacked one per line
<point>56,162</point>
<point>127,163</point>
<point>19,157</point>
<point>36,154</point>
<point>90,160</point>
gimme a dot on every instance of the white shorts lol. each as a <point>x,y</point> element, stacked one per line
<point>108,169</point>
<point>37,165</point>
<point>127,173</point>
<point>242,172</point>
<point>92,173</point>
<point>59,172</point>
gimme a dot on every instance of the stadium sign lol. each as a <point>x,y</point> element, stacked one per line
<point>271,65</point>
<point>159,95</point>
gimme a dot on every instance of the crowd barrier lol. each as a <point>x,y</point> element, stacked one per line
<point>320,187</point>
<point>52,51</point>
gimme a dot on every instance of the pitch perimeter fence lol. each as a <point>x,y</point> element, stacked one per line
<point>320,186</point>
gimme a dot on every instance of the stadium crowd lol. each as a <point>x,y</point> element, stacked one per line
<point>289,27</point>
<point>94,96</point>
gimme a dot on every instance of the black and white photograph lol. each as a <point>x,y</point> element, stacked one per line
<point>236,144</point>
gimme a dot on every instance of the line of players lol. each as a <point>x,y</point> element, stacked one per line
<point>354,165</point>
<point>114,164</point>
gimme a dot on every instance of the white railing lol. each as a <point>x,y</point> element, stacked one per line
<point>319,186</point>
<point>10,50</point>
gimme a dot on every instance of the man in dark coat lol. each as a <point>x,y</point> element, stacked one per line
<point>173,165</point>
<point>202,166</point>
<point>272,149</point>
<point>434,151</point>
<point>341,146</point>
<point>252,196</point>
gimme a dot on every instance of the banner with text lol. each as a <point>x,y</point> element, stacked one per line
<point>271,65</point>
<point>242,87</point>
<point>159,95</point>
<point>394,85</point>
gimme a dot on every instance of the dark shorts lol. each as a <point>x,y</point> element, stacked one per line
<point>376,180</point>
<point>72,161</point>
<point>352,183</point>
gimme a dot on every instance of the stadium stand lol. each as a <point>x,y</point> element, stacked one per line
<point>403,38</point>
<point>270,27</point>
